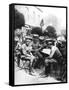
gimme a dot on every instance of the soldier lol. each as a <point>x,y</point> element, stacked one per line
<point>55,59</point>
<point>26,47</point>
<point>61,44</point>
<point>27,55</point>
<point>36,51</point>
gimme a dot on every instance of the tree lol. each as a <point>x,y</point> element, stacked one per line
<point>51,32</point>
<point>19,19</point>
<point>37,30</point>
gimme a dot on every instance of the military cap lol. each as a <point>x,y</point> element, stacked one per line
<point>41,38</point>
<point>35,36</point>
<point>28,37</point>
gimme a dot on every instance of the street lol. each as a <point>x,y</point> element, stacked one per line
<point>22,77</point>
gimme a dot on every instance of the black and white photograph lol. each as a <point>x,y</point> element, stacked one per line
<point>40,44</point>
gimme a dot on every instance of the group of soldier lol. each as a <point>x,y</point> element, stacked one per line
<point>37,51</point>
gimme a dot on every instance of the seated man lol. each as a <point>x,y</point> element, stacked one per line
<point>53,59</point>
<point>62,47</point>
<point>36,47</point>
<point>27,55</point>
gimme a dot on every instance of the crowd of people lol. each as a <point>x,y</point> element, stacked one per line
<point>34,51</point>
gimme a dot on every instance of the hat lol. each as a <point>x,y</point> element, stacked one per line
<point>41,38</point>
<point>28,37</point>
<point>35,36</point>
<point>61,38</point>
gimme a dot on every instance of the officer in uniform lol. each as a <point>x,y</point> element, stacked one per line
<point>37,51</point>
<point>27,55</point>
